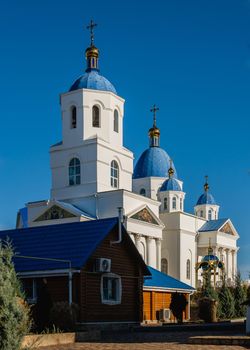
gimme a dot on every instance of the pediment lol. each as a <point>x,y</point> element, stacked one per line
<point>145,215</point>
<point>54,213</point>
<point>227,228</point>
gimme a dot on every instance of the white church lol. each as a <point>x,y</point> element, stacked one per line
<point>93,175</point>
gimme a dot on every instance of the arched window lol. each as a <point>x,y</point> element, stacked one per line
<point>116,121</point>
<point>165,203</point>
<point>114,174</point>
<point>143,192</point>
<point>174,203</point>
<point>96,117</point>
<point>73,117</point>
<point>188,269</point>
<point>209,214</point>
<point>201,213</point>
<point>181,204</point>
<point>74,172</point>
<point>164,266</point>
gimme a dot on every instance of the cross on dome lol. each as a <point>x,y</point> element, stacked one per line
<point>91,27</point>
<point>154,109</point>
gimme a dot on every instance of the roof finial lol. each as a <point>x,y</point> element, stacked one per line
<point>91,27</point>
<point>154,132</point>
<point>170,170</point>
<point>92,52</point>
<point>154,109</point>
<point>206,185</point>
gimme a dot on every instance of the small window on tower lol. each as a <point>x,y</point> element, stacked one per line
<point>210,214</point>
<point>188,269</point>
<point>73,117</point>
<point>143,192</point>
<point>164,266</point>
<point>116,121</point>
<point>165,206</point>
<point>201,213</point>
<point>174,203</point>
<point>114,174</point>
<point>96,117</point>
<point>181,204</point>
<point>74,172</point>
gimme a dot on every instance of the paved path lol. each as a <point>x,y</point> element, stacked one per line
<point>141,346</point>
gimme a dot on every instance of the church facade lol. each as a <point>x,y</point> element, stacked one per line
<point>93,178</point>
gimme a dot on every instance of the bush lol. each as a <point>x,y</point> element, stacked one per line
<point>64,316</point>
<point>178,305</point>
<point>240,296</point>
<point>226,302</point>
<point>14,312</point>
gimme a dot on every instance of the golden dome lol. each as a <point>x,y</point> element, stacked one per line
<point>92,51</point>
<point>154,132</point>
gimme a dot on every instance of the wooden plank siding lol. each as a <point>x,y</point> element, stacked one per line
<point>154,301</point>
<point>124,264</point>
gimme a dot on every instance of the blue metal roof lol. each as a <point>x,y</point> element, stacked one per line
<point>206,198</point>
<point>212,225</point>
<point>171,185</point>
<point>93,80</point>
<point>154,161</point>
<point>161,280</point>
<point>74,241</point>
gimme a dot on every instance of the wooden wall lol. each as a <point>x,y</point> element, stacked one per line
<point>154,301</point>
<point>124,264</point>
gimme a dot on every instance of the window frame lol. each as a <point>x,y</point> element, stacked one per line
<point>209,215</point>
<point>114,174</point>
<point>74,172</point>
<point>96,118</point>
<point>112,277</point>
<point>33,298</point>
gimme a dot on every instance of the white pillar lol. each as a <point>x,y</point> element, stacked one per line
<point>149,251</point>
<point>158,254</point>
<point>137,240</point>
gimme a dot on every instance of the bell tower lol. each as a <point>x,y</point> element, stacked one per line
<point>91,157</point>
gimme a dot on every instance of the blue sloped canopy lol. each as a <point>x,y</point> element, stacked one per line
<point>212,225</point>
<point>161,280</point>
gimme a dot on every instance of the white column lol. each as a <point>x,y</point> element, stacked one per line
<point>149,241</point>
<point>158,254</point>
<point>227,263</point>
<point>137,240</point>
<point>233,266</point>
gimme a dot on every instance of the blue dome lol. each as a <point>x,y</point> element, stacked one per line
<point>210,258</point>
<point>93,80</point>
<point>206,198</point>
<point>170,184</point>
<point>154,161</point>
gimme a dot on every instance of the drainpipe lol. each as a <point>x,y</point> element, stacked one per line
<point>120,222</point>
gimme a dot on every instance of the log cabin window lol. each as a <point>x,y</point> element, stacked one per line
<point>29,288</point>
<point>111,289</point>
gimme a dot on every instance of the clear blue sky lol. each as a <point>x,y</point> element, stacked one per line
<point>191,58</point>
